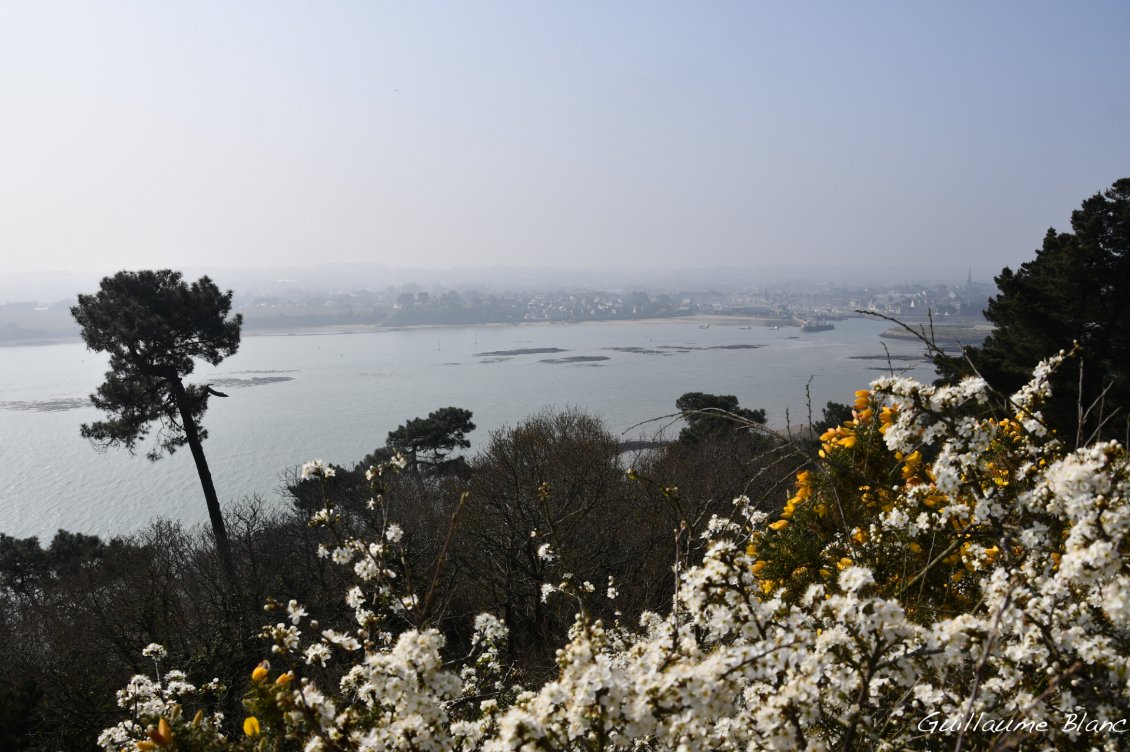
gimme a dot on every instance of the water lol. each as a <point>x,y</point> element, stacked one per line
<point>294,398</point>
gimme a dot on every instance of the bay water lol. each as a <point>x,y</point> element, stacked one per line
<point>336,397</point>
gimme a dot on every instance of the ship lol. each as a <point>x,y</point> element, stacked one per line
<point>816,325</point>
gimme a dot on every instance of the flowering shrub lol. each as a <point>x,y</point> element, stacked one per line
<point>943,578</point>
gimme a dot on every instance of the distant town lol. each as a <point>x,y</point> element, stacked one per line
<point>289,307</point>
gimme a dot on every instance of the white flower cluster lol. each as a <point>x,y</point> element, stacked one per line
<point>545,554</point>
<point>317,469</point>
<point>155,651</point>
<point>147,700</point>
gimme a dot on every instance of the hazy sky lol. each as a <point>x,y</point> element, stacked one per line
<point>143,134</point>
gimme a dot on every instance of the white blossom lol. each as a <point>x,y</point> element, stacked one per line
<point>316,653</point>
<point>317,469</point>
<point>155,651</point>
<point>295,611</point>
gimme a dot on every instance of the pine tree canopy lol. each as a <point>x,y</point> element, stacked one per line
<point>154,325</point>
<point>1075,291</point>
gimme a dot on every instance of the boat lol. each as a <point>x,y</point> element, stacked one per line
<point>816,325</point>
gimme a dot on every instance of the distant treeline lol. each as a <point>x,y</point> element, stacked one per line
<point>452,309</point>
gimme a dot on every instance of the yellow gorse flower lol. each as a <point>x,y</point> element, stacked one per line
<point>887,416</point>
<point>862,399</point>
<point>933,499</point>
<point>911,464</point>
<point>162,736</point>
<point>803,491</point>
<point>843,436</point>
<point>251,726</point>
<point>260,671</point>
<point>862,411</point>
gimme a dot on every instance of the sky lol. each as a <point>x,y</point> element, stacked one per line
<point>569,134</point>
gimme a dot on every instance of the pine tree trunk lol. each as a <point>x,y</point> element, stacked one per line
<point>214,512</point>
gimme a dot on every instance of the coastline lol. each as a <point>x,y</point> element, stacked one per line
<point>699,319</point>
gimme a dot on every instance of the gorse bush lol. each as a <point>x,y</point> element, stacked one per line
<point>942,577</point>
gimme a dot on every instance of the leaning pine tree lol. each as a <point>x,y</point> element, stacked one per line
<point>154,325</point>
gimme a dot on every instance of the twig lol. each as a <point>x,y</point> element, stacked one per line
<point>442,556</point>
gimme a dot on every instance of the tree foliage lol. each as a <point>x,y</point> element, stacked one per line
<point>1076,290</point>
<point>18,706</point>
<point>714,415</point>
<point>155,326</point>
<point>428,441</point>
<point>553,480</point>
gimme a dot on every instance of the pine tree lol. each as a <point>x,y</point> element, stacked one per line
<point>428,441</point>
<point>711,416</point>
<point>154,325</point>
<point>1076,290</point>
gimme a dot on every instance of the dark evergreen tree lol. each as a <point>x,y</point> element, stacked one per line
<point>835,414</point>
<point>154,325</point>
<point>713,415</point>
<point>1076,290</point>
<point>428,441</point>
<point>23,565</point>
<point>18,713</point>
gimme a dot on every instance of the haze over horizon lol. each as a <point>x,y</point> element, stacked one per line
<point>59,287</point>
<point>658,136</point>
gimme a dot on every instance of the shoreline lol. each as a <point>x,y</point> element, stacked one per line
<point>698,318</point>
<point>713,319</point>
